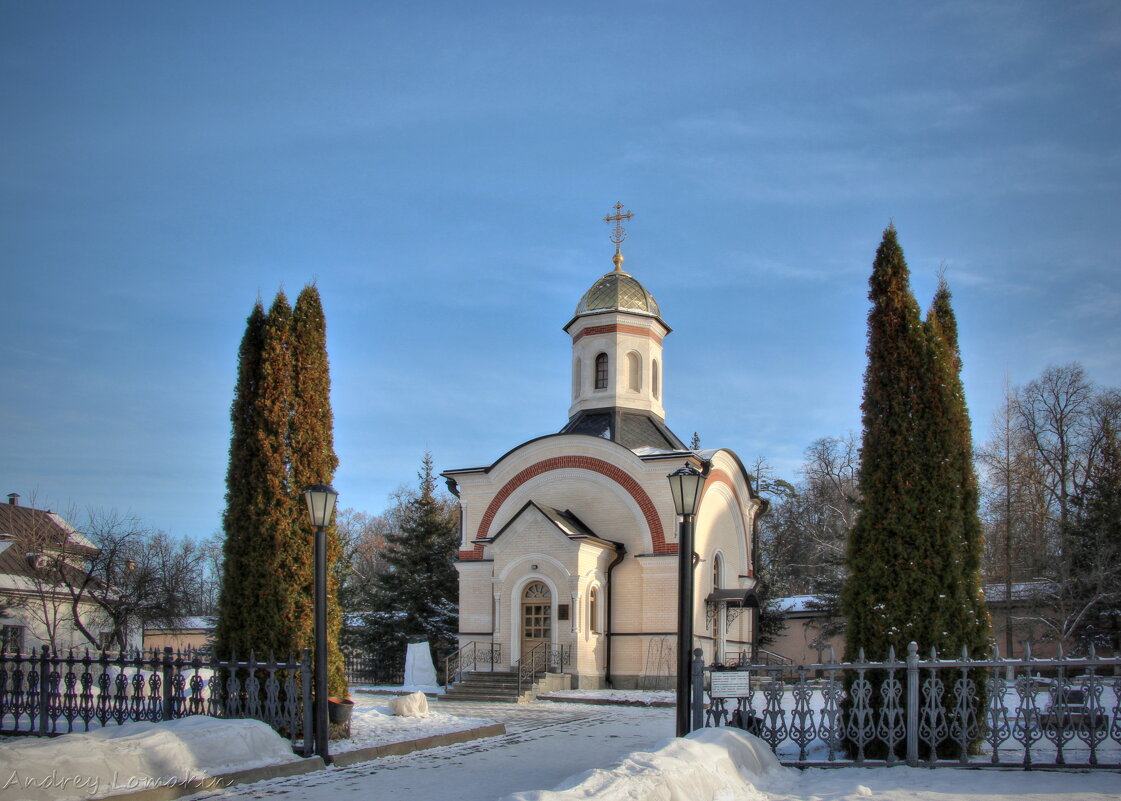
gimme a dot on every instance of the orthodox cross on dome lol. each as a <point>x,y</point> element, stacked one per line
<point>618,235</point>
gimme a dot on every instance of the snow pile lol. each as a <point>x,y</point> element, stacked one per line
<point>708,765</point>
<point>135,756</point>
<point>414,705</point>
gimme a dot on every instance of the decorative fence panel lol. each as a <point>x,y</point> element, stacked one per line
<point>1058,712</point>
<point>46,694</point>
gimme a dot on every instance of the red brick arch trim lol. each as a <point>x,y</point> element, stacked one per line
<point>649,512</point>
<point>720,477</point>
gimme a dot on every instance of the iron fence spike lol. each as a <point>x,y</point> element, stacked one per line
<point>860,654</point>
<point>1093,651</point>
<point>1060,651</point>
<point>891,653</point>
<point>1027,649</point>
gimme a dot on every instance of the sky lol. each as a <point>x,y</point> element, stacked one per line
<point>441,171</point>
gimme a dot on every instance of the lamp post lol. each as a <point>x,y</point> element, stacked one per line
<point>685,486</point>
<point>320,500</point>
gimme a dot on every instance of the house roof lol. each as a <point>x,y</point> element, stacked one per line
<point>34,531</point>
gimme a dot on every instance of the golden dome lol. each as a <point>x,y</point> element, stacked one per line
<point>617,291</point>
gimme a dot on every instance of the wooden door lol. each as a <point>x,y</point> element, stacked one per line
<point>537,616</point>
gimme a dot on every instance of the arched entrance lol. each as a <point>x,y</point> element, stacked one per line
<point>537,616</point>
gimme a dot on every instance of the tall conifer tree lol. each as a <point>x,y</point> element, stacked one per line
<point>282,441</point>
<point>895,563</point>
<point>252,603</point>
<point>971,625</point>
<point>914,553</point>
<point>313,461</point>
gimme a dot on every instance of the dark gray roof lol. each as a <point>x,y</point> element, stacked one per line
<point>568,523</point>
<point>632,430</point>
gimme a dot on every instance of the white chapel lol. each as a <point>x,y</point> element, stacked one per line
<point>569,541</point>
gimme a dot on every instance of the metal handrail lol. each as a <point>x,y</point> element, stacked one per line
<point>538,661</point>
<point>456,664</point>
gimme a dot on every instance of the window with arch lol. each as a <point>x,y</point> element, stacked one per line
<point>654,382</point>
<point>601,371</point>
<point>593,610</point>
<point>717,571</point>
<point>577,371</point>
<point>634,372</point>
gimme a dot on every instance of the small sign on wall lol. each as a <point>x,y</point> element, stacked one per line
<point>730,684</point>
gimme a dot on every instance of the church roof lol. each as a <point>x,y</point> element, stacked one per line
<point>618,291</point>
<point>568,524</point>
<point>632,430</point>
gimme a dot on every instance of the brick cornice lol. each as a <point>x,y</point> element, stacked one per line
<point>616,328</point>
<point>616,474</point>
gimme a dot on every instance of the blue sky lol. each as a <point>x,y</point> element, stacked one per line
<point>441,171</point>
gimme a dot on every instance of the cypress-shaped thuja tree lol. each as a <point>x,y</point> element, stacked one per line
<point>313,461</point>
<point>971,626</point>
<point>900,554</point>
<point>894,575</point>
<point>258,610</point>
<point>250,601</point>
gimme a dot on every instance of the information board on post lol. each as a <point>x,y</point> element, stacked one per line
<point>730,684</point>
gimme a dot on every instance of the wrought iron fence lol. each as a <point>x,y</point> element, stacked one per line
<point>363,668</point>
<point>981,713</point>
<point>46,694</point>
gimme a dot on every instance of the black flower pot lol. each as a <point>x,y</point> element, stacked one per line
<point>339,709</point>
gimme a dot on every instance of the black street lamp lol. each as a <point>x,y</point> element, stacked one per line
<point>685,486</point>
<point>321,505</point>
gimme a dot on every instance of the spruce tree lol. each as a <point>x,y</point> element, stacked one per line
<point>1095,539</point>
<point>313,461</point>
<point>417,590</point>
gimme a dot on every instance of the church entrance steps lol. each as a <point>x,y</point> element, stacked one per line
<point>493,686</point>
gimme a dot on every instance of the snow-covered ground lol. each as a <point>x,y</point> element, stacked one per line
<point>638,697</point>
<point>373,723</point>
<point>609,753</point>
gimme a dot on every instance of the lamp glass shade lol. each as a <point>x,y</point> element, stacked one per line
<point>320,500</point>
<point>685,484</point>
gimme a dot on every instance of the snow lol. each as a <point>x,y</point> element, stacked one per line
<point>610,753</point>
<point>730,765</point>
<point>708,765</point>
<point>372,723</point>
<point>135,756</point>
<point>637,697</point>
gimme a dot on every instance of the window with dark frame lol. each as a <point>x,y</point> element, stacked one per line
<point>11,639</point>
<point>601,371</point>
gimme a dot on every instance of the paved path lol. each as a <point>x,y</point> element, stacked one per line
<point>544,744</point>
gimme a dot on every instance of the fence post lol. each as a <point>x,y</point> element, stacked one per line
<point>165,686</point>
<point>698,704</point>
<point>44,690</point>
<point>913,704</point>
<point>305,686</point>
